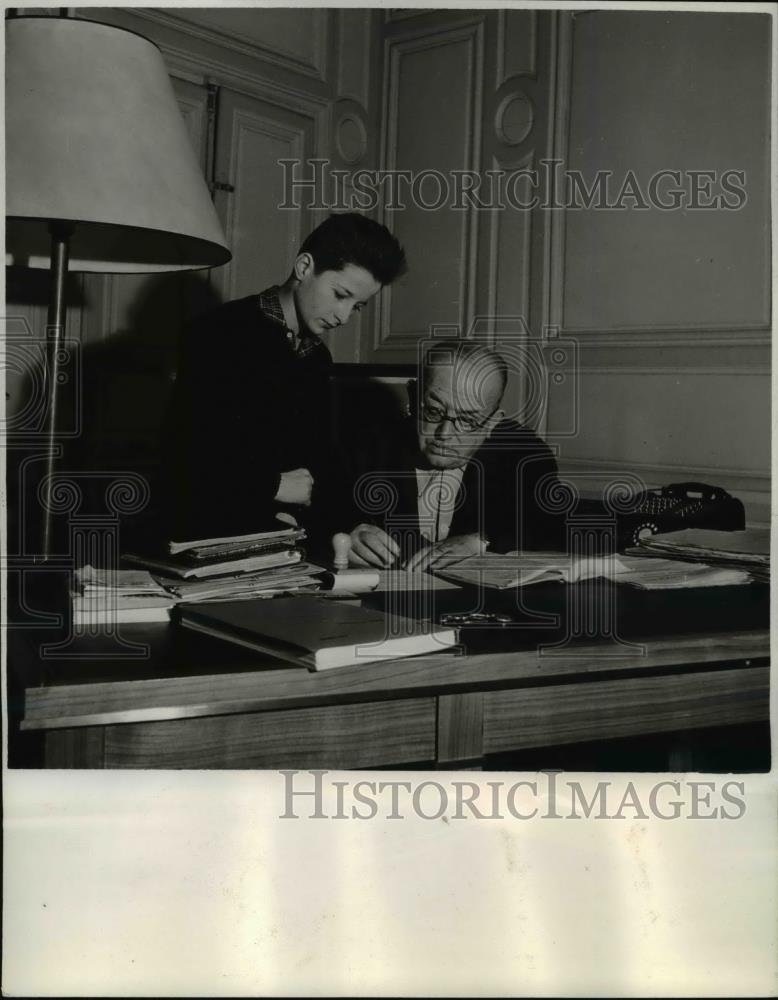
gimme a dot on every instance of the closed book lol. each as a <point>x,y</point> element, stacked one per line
<point>315,632</point>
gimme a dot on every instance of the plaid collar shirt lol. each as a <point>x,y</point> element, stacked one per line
<point>270,305</point>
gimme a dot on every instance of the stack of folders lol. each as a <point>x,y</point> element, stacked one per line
<point>211,557</point>
<point>264,564</point>
<point>296,578</point>
<point>746,552</point>
<point>107,597</point>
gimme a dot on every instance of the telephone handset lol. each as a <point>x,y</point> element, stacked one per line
<point>678,506</point>
<point>684,499</point>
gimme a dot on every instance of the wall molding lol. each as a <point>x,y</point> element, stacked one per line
<point>515,94</point>
<point>495,228</point>
<point>701,353</point>
<point>317,68</point>
<point>560,101</point>
<point>396,47</point>
<point>190,67</point>
<point>305,104</point>
<point>751,488</point>
<point>244,122</point>
<point>754,480</point>
<point>431,32</point>
<point>633,337</point>
<point>688,334</point>
<point>670,369</point>
<point>345,110</point>
<point>357,88</point>
<point>629,340</point>
<point>501,76</point>
<point>194,111</point>
<point>395,14</point>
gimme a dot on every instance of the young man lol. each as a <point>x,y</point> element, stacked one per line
<point>249,427</point>
<point>456,476</point>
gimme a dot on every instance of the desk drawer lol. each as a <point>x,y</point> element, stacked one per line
<point>599,710</point>
<point>332,736</point>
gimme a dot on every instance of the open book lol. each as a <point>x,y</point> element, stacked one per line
<point>520,570</point>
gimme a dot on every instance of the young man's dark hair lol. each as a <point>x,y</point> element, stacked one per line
<point>350,238</point>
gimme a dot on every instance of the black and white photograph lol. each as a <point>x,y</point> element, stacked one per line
<point>388,440</point>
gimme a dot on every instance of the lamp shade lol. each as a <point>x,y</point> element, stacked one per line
<point>94,137</point>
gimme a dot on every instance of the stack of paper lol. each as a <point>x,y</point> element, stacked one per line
<point>225,556</point>
<point>300,578</point>
<point>747,551</point>
<point>670,574</point>
<point>522,569</point>
<point>264,564</point>
<point>107,597</point>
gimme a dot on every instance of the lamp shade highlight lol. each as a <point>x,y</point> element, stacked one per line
<point>94,137</point>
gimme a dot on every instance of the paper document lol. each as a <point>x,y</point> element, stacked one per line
<point>512,570</point>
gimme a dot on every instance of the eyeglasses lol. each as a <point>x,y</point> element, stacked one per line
<point>461,422</point>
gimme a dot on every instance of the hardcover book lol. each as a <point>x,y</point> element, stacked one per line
<point>315,632</point>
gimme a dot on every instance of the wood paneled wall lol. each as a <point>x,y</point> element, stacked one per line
<point>640,339</point>
<point>670,308</point>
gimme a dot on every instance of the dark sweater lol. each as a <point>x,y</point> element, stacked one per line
<point>245,408</point>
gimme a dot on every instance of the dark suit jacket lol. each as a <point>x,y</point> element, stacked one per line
<point>500,496</point>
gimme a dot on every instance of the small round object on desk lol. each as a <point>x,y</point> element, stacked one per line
<point>341,545</point>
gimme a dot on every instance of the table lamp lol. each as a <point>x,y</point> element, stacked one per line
<point>100,173</point>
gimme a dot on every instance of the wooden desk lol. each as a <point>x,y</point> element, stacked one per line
<point>197,702</point>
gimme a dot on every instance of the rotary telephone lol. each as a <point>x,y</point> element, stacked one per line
<point>677,506</point>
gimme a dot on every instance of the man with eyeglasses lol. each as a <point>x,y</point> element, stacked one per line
<point>455,478</point>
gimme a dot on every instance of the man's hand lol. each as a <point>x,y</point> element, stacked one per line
<point>451,548</point>
<point>371,546</point>
<point>295,487</point>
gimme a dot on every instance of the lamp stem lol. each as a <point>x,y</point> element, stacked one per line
<point>55,330</point>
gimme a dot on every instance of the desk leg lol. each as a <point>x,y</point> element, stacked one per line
<point>460,729</point>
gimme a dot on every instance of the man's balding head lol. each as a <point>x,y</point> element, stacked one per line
<point>461,386</point>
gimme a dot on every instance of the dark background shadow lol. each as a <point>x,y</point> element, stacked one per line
<point>117,400</point>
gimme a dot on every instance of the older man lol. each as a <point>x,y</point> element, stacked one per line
<point>455,478</point>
